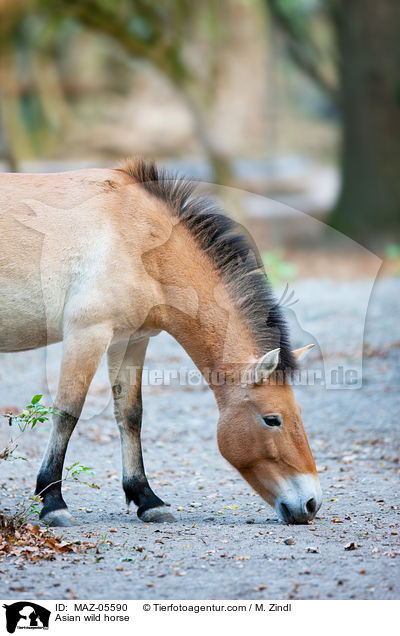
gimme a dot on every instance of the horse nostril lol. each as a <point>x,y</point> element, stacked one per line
<point>311,505</point>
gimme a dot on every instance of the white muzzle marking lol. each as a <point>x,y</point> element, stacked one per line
<point>298,498</point>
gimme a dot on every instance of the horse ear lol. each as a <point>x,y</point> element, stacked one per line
<point>300,353</point>
<point>266,365</point>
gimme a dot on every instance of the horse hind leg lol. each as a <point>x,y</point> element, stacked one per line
<point>83,350</point>
<point>127,391</point>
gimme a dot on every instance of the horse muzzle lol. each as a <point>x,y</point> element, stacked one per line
<point>299,499</point>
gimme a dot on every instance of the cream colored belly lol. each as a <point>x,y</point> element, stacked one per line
<point>24,323</point>
<point>47,255</point>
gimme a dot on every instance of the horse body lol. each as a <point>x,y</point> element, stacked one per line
<point>104,259</point>
<point>58,251</point>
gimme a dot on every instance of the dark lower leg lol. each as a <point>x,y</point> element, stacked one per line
<point>125,369</point>
<point>82,352</point>
<point>49,479</point>
<point>134,481</point>
<point>137,489</point>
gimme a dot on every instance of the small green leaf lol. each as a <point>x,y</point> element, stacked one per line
<point>36,399</point>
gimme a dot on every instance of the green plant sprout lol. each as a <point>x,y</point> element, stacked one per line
<point>392,251</point>
<point>278,270</point>
<point>33,414</point>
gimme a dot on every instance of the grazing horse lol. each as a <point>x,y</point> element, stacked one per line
<point>104,259</point>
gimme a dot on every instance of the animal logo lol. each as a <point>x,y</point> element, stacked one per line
<point>26,615</point>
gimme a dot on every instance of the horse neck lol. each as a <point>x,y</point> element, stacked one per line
<point>198,309</point>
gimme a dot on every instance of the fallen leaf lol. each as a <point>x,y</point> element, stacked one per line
<point>33,543</point>
<point>71,593</point>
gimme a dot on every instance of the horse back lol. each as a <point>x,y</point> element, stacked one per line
<point>58,237</point>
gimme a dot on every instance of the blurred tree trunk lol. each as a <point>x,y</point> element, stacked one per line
<point>17,143</point>
<point>221,167</point>
<point>368,35</point>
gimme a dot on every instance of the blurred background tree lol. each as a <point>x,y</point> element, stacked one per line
<point>36,35</point>
<point>276,95</point>
<point>351,50</point>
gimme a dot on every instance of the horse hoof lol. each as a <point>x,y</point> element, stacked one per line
<point>157,515</point>
<point>60,518</point>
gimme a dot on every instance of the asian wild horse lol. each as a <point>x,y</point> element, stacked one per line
<point>103,259</point>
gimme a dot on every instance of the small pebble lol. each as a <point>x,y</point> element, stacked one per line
<point>289,541</point>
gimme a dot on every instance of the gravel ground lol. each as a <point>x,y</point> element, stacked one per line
<point>226,543</point>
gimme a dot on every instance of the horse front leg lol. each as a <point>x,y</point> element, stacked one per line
<point>125,369</point>
<point>82,352</point>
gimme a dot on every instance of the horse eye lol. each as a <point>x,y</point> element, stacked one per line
<point>272,420</point>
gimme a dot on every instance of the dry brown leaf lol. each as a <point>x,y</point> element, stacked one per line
<point>31,542</point>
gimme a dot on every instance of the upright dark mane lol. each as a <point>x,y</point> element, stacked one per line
<point>231,249</point>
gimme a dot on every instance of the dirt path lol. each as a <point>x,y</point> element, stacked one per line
<point>226,542</point>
